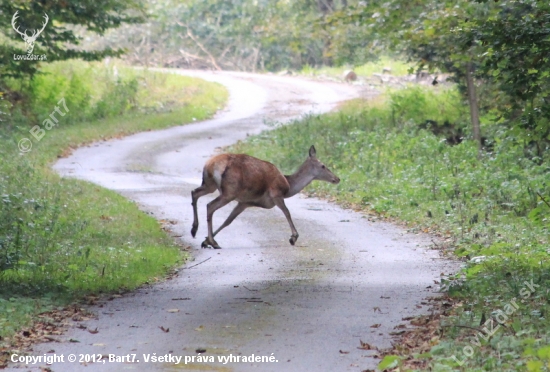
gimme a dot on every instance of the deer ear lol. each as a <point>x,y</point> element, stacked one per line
<point>312,152</point>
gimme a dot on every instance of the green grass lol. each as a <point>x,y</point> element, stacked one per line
<point>488,206</point>
<point>202,101</point>
<point>397,66</point>
<point>62,238</point>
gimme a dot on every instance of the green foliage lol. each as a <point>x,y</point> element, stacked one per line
<point>506,42</point>
<point>244,35</point>
<point>62,238</point>
<point>94,91</point>
<point>256,33</point>
<point>389,362</point>
<point>16,310</point>
<point>392,164</point>
<point>97,91</point>
<point>119,99</point>
<point>55,237</point>
<point>515,54</point>
<point>59,40</point>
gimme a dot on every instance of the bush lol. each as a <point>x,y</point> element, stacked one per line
<point>97,91</point>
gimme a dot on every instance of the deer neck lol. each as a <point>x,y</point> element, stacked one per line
<point>298,180</point>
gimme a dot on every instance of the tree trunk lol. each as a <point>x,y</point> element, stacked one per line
<point>472,100</point>
<point>325,6</point>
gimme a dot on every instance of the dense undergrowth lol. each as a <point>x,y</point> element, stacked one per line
<point>62,238</point>
<point>394,159</point>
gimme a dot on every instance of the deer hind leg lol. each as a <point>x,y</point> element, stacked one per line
<point>205,188</point>
<point>234,213</point>
<point>282,206</point>
<point>213,206</point>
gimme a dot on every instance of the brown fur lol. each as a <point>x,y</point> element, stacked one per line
<point>252,183</point>
<point>246,178</point>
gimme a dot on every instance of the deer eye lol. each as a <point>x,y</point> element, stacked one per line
<point>323,167</point>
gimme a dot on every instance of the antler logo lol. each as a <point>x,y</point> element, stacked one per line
<point>34,33</point>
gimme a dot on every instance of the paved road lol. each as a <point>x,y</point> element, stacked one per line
<point>258,295</point>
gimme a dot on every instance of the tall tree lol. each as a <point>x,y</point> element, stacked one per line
<point>59,40</point>
<point>515,40</point>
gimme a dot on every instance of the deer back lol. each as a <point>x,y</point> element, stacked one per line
<point>246,178</point>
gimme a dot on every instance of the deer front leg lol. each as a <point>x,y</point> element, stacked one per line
<point>234,213</point>
<point>282,206</point>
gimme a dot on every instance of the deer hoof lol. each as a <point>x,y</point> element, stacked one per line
<point>193,231</point>
<point>210,242</point>
<point>293,239</point>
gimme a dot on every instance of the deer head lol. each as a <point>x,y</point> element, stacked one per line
<point>29,39</point>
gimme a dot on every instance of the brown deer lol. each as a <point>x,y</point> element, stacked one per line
<point>252,183</point>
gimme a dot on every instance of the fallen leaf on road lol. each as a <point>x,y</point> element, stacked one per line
<point>344,352</point>
<point>94,331</point>
<point>165,330</point>
<point>200,351</point>
<point>375,325</point>
<point>199,328</point>
<point>397,333</point>
<point>366,346</point>
<point>421,338</point>
<point>173,310</point>
<point>98,344</point>
<point>420,321</point>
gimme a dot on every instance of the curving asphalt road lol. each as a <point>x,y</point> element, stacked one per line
<point>308,306</point>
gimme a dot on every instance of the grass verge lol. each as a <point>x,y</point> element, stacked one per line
<point>61,238</point>
<point>393,66</point>
<point>397,158</point>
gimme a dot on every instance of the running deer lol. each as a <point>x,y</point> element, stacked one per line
<point>252,183</point>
